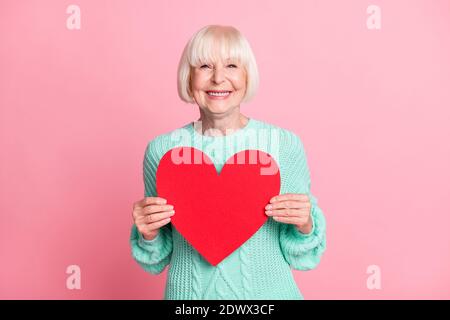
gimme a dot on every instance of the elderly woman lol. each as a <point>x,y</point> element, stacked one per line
<point>218,71</point>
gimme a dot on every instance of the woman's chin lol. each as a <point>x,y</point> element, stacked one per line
<point>218,108</point>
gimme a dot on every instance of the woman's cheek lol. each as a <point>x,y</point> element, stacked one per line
<point>241,80</point>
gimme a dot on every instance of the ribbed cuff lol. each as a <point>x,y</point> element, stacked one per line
<point>294,242</point>
<point>146,243</point>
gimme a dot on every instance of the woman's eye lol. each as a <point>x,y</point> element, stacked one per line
<point>232,65</point>
<point>205,65</point>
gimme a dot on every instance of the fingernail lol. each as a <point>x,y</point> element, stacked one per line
<point>268,207</point>
<point>170,206</point>
<point>268,212</point>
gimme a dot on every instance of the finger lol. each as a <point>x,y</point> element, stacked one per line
<point>151,218</point>
<point>284,213</point>
<point>150,200</point>
<point>137,212</point>
<point>293,212</point>
<point>157,208</point>
<point>289,220</point>
<point>290,196</point>
<point>158,224</point>
<point>286,205</point>
<point>155,200</point>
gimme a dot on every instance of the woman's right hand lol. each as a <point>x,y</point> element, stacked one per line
<point>150,214</point>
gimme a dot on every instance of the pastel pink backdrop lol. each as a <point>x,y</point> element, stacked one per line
<point>79,106</point>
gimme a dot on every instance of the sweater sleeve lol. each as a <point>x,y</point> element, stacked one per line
<point>152,255</point>
<point>301,251</point>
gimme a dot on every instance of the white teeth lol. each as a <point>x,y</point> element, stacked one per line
<point>218,94</point>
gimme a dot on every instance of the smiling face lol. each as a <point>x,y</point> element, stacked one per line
<point>219,87</point>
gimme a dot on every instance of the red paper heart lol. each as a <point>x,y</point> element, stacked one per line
<point>217,213</point>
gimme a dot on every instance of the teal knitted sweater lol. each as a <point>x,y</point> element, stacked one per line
<point>261,267</point>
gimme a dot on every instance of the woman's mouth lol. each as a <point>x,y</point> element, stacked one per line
<point>215,95</point>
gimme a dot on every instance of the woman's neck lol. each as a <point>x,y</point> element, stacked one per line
<point>221,125</point>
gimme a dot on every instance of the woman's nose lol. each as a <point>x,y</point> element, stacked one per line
<point>218,76</point>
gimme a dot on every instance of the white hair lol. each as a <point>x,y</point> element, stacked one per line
<point>201,50</point>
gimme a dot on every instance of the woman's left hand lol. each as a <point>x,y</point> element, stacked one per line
<point>292,208</point>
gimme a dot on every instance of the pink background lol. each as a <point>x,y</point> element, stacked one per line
<point>79,106</point>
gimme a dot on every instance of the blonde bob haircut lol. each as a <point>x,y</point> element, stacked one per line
<point>216,43</point>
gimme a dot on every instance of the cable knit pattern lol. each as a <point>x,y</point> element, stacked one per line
<point>262,267</point>
<point>222,291</point>
<point>244,255</point>
<point>196,281</point>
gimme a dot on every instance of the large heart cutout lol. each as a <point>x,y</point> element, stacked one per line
<point>217,213</point>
